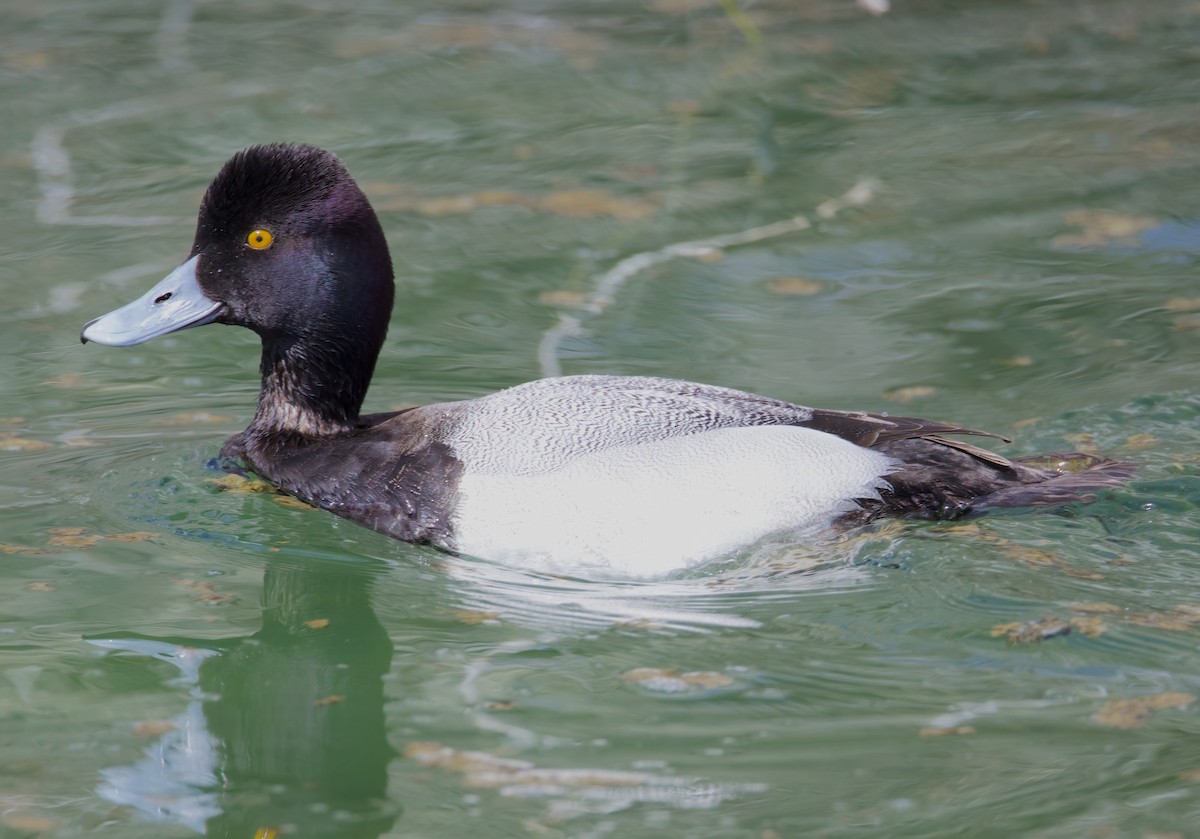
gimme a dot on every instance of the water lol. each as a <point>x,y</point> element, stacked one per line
<point>1021,257</point>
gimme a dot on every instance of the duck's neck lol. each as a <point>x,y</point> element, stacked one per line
<point>311,389</point>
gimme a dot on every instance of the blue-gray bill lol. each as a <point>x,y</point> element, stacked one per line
<point>175,303</point>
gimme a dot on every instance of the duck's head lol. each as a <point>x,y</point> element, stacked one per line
<point>286,245</point>
<point>285,242</point>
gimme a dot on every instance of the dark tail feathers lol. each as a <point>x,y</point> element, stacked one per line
<point>938,481</point>
<point>1072,478</point>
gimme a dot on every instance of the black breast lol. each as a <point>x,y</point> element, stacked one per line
<point>391,473</point>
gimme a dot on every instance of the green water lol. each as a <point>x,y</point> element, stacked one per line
<point>1023,257</point>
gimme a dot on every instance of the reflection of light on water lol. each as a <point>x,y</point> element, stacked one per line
<point>168,783</point>
<point>714,598</point>
<point>535,598</point>
<point>579,790</point>
<point>697,603</point>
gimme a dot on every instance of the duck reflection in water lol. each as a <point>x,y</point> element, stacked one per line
<point>285,728</point>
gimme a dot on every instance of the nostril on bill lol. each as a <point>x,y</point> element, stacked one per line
<point>163,298</point>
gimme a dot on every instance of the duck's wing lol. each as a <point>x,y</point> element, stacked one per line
<point>879,430</point>
<point>543,425</point>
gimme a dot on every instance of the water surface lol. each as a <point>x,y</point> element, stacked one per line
<point>1000,205</point>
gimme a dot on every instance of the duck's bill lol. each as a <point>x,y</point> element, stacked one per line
<point>175,303</point>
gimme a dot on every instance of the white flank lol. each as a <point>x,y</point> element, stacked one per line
<point>644,510</point>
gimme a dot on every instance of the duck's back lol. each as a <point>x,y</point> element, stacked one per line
<point>542,426</point>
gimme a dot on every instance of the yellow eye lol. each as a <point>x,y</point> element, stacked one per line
<point>260,239</point>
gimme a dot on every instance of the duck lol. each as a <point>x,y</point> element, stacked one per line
<point>627,476</point>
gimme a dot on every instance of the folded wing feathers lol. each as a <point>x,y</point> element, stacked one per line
<point>869,430</point>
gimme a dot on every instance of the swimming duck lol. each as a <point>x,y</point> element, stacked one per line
<point>629,475</point>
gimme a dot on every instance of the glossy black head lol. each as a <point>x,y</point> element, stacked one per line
<point>290,246</point>
<point>286,245</point>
